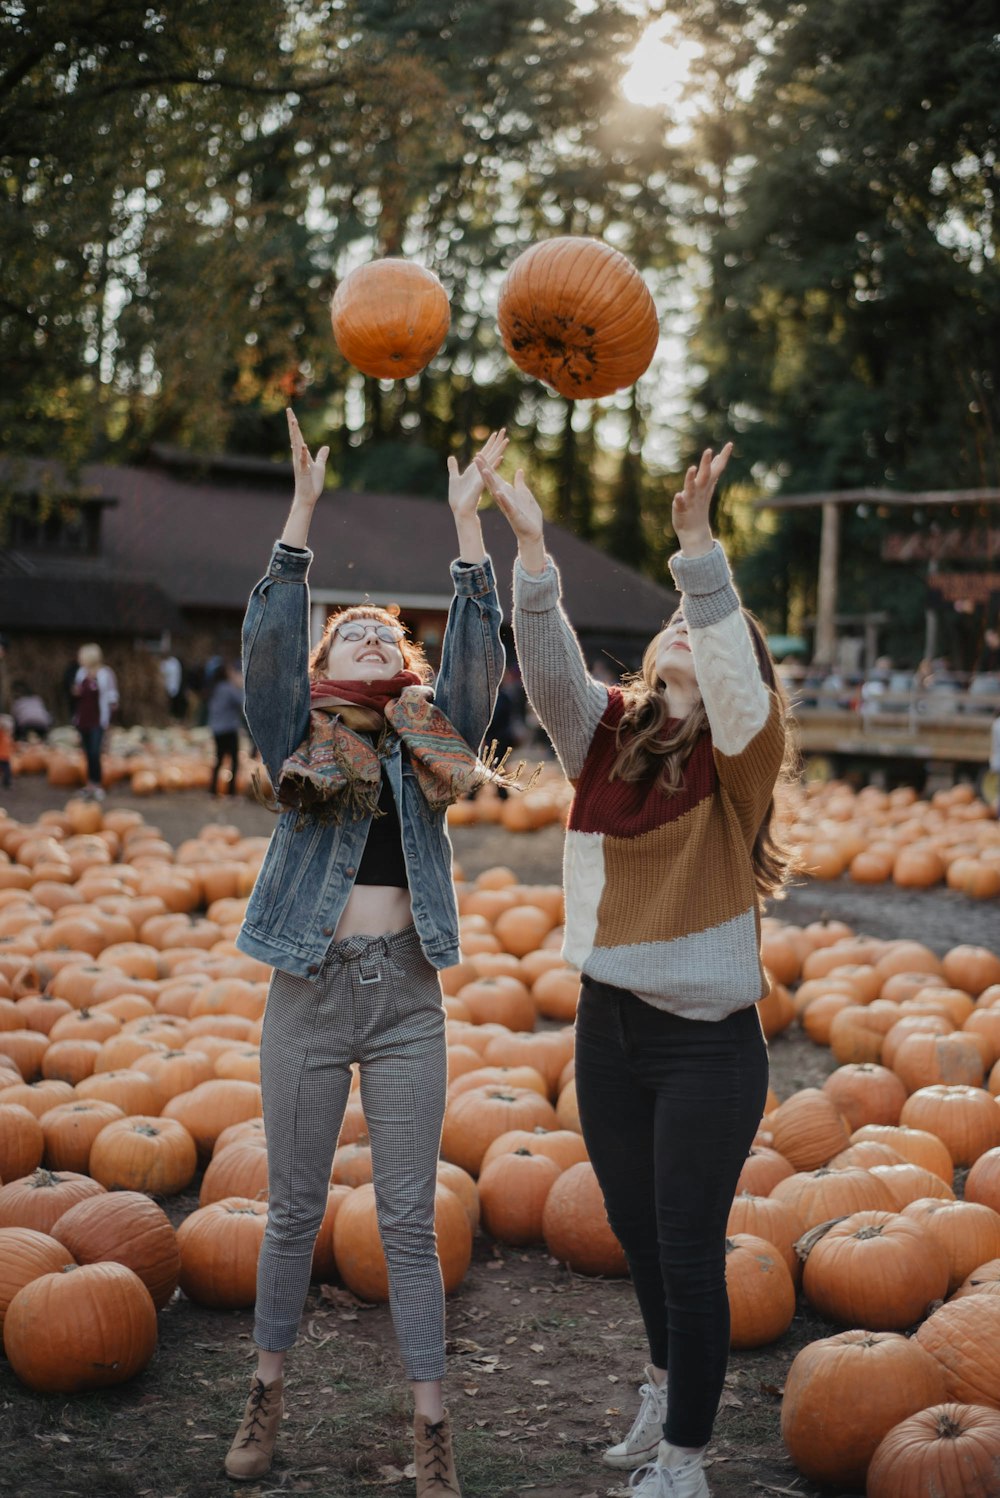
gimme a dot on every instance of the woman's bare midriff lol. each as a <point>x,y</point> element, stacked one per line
<point>374,910</point>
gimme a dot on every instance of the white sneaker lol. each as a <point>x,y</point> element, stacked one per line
<point>641,1443</point>
<point>674,1474</point>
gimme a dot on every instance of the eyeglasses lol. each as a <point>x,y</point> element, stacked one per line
<point>356,630</point>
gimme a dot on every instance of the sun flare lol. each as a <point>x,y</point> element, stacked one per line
<point>660,66</point>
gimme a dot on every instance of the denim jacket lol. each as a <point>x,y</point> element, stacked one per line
<point>309,868</point>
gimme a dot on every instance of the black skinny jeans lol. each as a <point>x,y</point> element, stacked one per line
<point>669,1108</point>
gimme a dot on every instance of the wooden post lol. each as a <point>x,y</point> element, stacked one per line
<point>826,595</point>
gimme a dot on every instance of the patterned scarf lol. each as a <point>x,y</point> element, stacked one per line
<point>335,771</point>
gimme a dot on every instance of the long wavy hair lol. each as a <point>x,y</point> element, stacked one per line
<point>645,747</point>
<point>412,651</point>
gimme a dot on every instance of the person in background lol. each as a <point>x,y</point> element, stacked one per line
<point>95,694</point>
<point>988,660</point>
<point>5,692</point>
<point>670,850</point>
<point>6,748</point>
<point>225,720</point>
<point>172,675</point>
<point>29,712</point>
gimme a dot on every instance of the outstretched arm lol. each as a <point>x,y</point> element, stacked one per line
<point>465,490</point>
<point>690,510</point>
<point>521,510</point>
<point>309,476</point>
<point>568,700</point>
<point>738,704</point>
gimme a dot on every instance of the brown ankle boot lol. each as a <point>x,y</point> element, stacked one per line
<point>434,1458</point>
<point>252,1450</point>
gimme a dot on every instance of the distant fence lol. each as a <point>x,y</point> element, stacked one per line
<point>936,725</point>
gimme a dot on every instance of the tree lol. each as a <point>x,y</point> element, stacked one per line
<point>853,310</point>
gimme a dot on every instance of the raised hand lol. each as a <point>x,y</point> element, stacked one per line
<point>515,501</point>
<point>309,472</point>
<point>522,511</point>
<point>465,489</point>
<point>690,509</point>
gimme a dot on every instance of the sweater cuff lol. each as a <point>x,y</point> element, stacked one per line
<point>707,586</point>
<point>536,592</point>
<point>289,564</point>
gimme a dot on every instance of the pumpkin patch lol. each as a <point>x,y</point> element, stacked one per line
<point>128,1063</point>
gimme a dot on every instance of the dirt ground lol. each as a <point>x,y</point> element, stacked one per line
<point>544,1364</point>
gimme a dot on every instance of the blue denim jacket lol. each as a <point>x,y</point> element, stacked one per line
<point>309,868</point>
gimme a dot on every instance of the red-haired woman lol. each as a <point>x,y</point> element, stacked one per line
<point>669,850</point>
<point>355,908</point>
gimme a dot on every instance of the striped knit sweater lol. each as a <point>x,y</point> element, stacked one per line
<point>660,893</point>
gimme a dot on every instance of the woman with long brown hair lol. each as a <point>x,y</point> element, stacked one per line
<point>355,909</point>
<point>670,847</point>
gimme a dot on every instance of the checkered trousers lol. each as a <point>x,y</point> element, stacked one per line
<point>376,1001</point>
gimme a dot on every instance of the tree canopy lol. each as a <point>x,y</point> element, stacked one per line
<point>183,186</point>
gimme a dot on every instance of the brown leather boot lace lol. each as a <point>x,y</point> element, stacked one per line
<point>436,1462</point>
<point>259,1396</point>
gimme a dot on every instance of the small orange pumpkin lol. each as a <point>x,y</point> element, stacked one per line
<point>389,318</point>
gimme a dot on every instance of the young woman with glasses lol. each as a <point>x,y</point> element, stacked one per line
<point>669,850</point>
<point>355,909</point>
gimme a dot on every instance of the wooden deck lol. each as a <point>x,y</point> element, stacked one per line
<point>920,730</point>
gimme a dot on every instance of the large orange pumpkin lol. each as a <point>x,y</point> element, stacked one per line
<point>219,1246</point>
<point>358,1251</point>
<point>24,1255</point>
<point>876,1270</point>
<point>964,1338</point>
<point>844,1393</point>
<point>576,1227</point>
<point>949,1448</point>
<point>389,318</point>
<point>81,1327</point>
<point>124,1227</point>
<point>576,313</point>
<point>760,1290</point>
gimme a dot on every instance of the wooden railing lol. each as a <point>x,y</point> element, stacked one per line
<point>930,725</point>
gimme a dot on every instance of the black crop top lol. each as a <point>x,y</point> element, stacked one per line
<point>382,861</point>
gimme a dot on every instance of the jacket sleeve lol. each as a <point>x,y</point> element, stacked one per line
<point>567,700</point>
<point>276,657</point>
<point>472,655</point>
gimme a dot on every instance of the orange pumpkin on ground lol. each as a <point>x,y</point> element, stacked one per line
<point>760,1290</point>
<point>219,1247</point>
<point>26,1253</point>
<point>358,1248</point>
<point>964,1338</point>
<point>83,1327</point>
<point>124,1227</point>
<point>575,1225</point>
<point>844,1393</point>
<point>144,1153</point>
<point>513,1189</point>
<point>949,1448</point>
<point>475,1118</point>
<point>877,1270</point>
